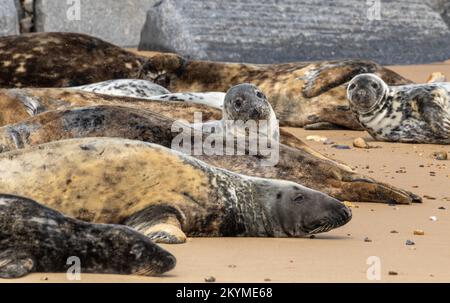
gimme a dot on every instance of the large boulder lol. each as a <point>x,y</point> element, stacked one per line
<point>273,31</point>
<point>118,22</point>
<point>442,7</point>
<point>9,20</point>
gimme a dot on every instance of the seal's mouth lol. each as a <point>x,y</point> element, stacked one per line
<point>342,218</point>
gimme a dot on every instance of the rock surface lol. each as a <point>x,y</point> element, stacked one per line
<point>118,22</point>
<point>273,31</point>
<point>9,21</point>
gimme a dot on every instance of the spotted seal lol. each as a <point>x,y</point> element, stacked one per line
<point>412,114</point>
<point>297,162</point>
<point>243,103</point>
<point>162,193</point>
<point>301,93</point>
<point>34,238</point>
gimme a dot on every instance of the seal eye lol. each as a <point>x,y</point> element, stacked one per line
<point>238,103</point>
<point>260,95</point>
<point>374,85</point>
<point>352,86</point>
<point>299,198</point>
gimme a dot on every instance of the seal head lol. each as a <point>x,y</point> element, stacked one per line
<point>365,91</point>
<point>246,102</point>
<point>297,211</point>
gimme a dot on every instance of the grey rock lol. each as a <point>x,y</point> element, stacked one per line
<point>9,20</point>
<point>442,7</point>
<point>118,22</point>
<point>274,31</point>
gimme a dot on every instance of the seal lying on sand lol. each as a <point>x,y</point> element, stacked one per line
<point>412,114</point>
<point>34,238</point>
<point>297,162</point>
<point>300,93</point>
<point>19,104</point>
<point>162,193</point>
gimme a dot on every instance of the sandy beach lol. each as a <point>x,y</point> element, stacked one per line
<point>339,255</point>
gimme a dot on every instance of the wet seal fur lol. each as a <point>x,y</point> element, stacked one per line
<point>297,163</point>
<point>417,113</point>
<point>301,93</point>
<point>34,238</point>
<point>163,194</point>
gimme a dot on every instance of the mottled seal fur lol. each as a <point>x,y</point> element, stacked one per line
<point>297,162</point>
<point>19,104</point>
<point>126,87</point>
<point>412,114</point>
<point>243,103</point>
<point>34,238</point>
<point>162,193</point>
<point>301,93</point>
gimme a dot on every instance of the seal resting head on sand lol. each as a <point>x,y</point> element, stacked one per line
<point>417,113</point>
<point>163,194</point>
<point>34,238</point>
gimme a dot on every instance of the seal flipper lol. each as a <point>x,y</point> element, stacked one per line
<point>15,264</point>
<point>327,75</point>
<point>161,223</point>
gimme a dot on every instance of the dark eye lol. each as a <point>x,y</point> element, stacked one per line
<point>299,198</point>
<point>374,85</point>
<point>352,86</point>
<point>238,103</point>
<point>260,95</point>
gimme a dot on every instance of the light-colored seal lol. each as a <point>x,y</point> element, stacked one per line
<point>163,194</point>
<point>412,114</point>
<point>243,103</point>
<point>126,87</point>
<point>297,162</point>
<point>34,238</point>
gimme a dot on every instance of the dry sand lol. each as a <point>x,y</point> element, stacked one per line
<point>340,255</point>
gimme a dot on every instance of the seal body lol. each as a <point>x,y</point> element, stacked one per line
<point>162,193</point>
<point>34,238</point>
<point>411,114</point>
<point>19,104</point>
<point>126,87</point>
<point>297,162</point>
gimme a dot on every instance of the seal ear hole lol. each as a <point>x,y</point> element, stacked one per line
<point>352,86</point>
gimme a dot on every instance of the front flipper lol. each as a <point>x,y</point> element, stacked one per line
<point>323,126</point>
<point>161,223</point>
<point>15,264</point>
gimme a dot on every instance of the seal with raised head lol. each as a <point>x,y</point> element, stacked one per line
<point>245,103</point>
<point>163,194</point>
<point>417,113</point>
<point>34,238</point>
<point>301,93</point>
<point>297,162</point>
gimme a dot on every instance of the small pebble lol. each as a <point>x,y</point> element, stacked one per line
<point>409,242</point>
<point>232,266</point>
<point>394,232</point>
<point>429,197</point>
<point>316,138</point>
<point>360,143</point>
<point>337,146</point>
<point>393,273</point>
<point>267,280</point>
<point>442,208</point>
<point>328,142</point>
<point>210,279</point>
<point>433,218</point>
<point>440,155</point>
<point>419,232</point>
<point>366,239</point>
